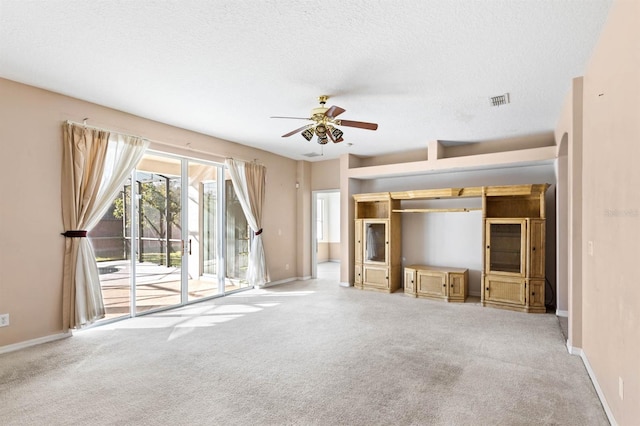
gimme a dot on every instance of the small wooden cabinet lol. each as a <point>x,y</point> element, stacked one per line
<point>449,284</point>
<point>377,243</point>
<point>514,256</point>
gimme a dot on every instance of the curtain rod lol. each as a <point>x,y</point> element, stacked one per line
<point>84,124</point>
<point>187,147</point>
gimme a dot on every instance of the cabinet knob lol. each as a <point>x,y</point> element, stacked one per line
<point>451,285</point>
<point>533,293</point>
<point>487,246</point>
<point>444,285</point>
<point>534,249</point>
<point>411,281</point>
<point>487,288</point>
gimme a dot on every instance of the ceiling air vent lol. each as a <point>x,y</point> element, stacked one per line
<point>312,154</point>
<point>499,100</point>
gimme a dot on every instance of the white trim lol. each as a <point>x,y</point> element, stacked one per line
<point>579,352</point>
<point>272,283</point>
<point>560,313</point>
<point>573,350</point>
<point>34,342</point>
<point>475,294</point>
<point>345,284</point>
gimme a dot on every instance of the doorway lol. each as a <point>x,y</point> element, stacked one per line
<point>325,229</point>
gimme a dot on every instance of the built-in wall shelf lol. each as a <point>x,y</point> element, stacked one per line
<point>437,194</point>
<point>513,221</point>
<point>437,210</point>
<point>521,157</point>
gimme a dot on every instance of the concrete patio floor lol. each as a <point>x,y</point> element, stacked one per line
<point>157,286</point>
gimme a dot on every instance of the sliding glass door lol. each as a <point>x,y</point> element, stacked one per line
<point>111,240</point>
<point>237,237</point>
<point>175,234</point>
<point>157,234</point>
<point>204,243</point>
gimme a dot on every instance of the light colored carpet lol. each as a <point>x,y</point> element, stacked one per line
<point>305,353</point>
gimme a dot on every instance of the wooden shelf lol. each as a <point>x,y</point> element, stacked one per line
<point>436,194</point>
<point>437,210</point>
<point>516,190</point>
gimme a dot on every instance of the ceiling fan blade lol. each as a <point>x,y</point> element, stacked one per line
<point>297,130</point>
<point>358,124</point>
<point>334,111</point>
<point>294,118</point>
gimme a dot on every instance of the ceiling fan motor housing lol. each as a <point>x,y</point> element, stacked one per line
<point>317,114</point>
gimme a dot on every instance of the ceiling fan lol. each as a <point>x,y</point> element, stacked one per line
<point>324,122</point>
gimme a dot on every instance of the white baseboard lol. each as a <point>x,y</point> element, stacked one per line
<point>272,283</point>
<point>345,284</point>
<point>34,342</point>
<point>560,313</point>
<point>579,352</point>
<point>475,294</point>
<point>573,350</point>
<point>286,280</point>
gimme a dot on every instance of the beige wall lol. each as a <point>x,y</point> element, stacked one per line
<point>323,252</point>
<point>611,212</point>
<point>328,252</point>
<point>569,171</point>
<point>303,218</point>
<point>31,247</point>
<point>325,175</point>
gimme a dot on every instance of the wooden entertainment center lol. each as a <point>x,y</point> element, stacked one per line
<point>513,220</point>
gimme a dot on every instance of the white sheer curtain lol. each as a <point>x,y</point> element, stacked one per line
<point>249,184</point>
<point>83,209</point>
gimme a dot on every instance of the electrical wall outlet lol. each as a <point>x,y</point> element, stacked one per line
<point>4,320</point>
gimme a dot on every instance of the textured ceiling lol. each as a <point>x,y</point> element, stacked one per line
<point>421,69</point>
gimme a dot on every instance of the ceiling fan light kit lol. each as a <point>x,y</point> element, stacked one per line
<point>324,124</point>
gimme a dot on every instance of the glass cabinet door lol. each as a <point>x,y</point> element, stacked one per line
<point>375,249</point>
<point>504,247</point>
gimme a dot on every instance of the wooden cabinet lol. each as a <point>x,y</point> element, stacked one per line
<point>514,256</point>
<point>457,286</point>
<point>358,242</point>
<point>431,282</point>
<point>377,255</point>
<point>513,221</point>
<point>410,281</point>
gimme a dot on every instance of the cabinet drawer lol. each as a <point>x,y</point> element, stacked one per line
<point>504,289</point>
<point>431,283</point>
